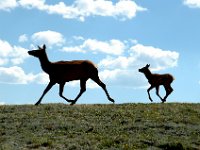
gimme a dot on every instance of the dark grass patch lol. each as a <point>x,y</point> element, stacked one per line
<point>171,146</point>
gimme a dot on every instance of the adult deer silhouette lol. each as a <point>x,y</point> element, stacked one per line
<point>64,71</point>
<point>156,80</point>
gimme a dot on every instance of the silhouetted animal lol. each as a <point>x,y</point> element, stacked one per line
<point>156,80</point>
<point>64,71</point>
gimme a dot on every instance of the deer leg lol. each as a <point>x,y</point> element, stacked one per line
<point>148,91</point>
<point>168,90</point>
<point>103,86</point>
<point>157,93</point>
<point>49,86</point>
<point>82,90</point>
<point>61,91</point>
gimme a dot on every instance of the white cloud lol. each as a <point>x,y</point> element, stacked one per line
<point>48,37</point>
<point>11,54</point>
<point>73,49</point>
<point>78,38</point>
<point>41,78</point>
<point>114,47</point>
<point>123,78</point>
<point>127,7</point>
<point>3,61</point>
<point>18,55</point>
<point>80,9</point>
<point>122,62</point>
<point>192,3</point>
<point>29,4</point>
<point>159,58</point>
<point>124,9</point>
<point>23,38</point>
<point>7,5</point>
<point>5,48</point>
<point>67,12</point>
<point>16,75</point>
<point>140,55</point>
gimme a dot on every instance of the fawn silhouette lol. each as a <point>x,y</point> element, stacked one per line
<point>64,71</point>
<point>156,80</point>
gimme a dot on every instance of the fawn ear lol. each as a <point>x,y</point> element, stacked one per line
<point>44,46</point>
<point>147,65</point>
<point>39,47</point>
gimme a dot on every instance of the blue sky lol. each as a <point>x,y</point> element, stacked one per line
<point>120,36</point>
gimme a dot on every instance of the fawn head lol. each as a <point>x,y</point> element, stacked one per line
<point>144,69</point>
<point>39,52</point>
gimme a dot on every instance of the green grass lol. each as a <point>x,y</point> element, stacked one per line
<point>124,126</point>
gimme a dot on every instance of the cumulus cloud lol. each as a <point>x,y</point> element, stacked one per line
<point>80,9</point>
<point>48,37</point>
<point>7,5</point>
<point>140,55</point>
<point>16,75</point>
<point>78,38</point>
<point>192,3</point>
<point>11,54</point>
<point>114,47</point>
<point>124,9</point>
<point>23,38</point>
<point>73,49</point>
<point>122,62</point>
<point>160,59</point>
<point>123,78</point>
<point>29,4</point>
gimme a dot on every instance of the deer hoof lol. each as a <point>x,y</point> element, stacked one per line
<point>73,102</point>
<point>112,100</point>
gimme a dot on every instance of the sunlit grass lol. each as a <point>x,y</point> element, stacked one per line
<point>125,126</point>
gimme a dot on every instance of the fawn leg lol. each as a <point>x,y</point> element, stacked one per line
<point>103,86</point>
<point>82,90</point>
<point>157,93</point>
<point>148,91</point>
<point>49,86</point>
<point>168,90</point>
<point>61,91</point>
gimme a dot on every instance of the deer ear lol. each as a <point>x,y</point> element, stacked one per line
<point>39,47</point>
<point>44,46</point>
<point>147,65</point>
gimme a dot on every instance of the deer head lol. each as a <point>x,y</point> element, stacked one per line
<point>144,69</point>
<point>39,52</point>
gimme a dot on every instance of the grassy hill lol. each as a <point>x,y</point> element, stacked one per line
<point>124,126</point>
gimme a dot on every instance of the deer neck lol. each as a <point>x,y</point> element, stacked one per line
<point>45,63</point>
<point>148,75</point>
